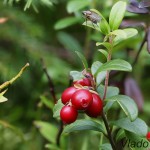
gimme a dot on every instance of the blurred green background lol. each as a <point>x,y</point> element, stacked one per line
<point>52,30</point>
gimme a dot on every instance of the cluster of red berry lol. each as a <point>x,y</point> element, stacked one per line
<point>148,136</point>
<point>82,99</point>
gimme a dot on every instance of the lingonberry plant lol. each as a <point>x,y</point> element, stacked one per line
<point>91,95</point>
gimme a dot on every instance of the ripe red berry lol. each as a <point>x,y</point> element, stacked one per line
<point>67,94</point>
<point>81,99</point>
<point>83,82</point>
<point>148,136</point>
<point>68,114</point>
<point>95,109</point>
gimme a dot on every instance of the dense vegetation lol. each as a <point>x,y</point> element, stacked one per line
<point>46,34</point>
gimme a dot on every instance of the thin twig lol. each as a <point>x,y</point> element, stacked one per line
<point>59,133</point>
<point>140,49</point>
<point>104,117</point>
<point>108,131</point>
<point>50,82</point>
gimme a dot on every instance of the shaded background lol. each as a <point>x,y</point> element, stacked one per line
<point>41,32</point>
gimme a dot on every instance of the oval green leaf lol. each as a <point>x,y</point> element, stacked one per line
<point>116,15</point>
<point>81,125</point>
<point>127,104</point>
<point>48,130</point>
<point>57,108</point>
<point>138,126</point>
<point>66,22</point>
<point>85,64</point>
<point>116,64</point>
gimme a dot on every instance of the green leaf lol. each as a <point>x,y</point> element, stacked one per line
<point>101,76</point>
<point>105,146</point>
<point>134,137</point>
<point>104,27</point>
<point>117,14</point>
<point>103,24</point>
<point>76,5</point>
<point>81,125</point>
<point>57,108</point>
<point>66,22</point>
<point>111,91</point>
<point>120,33</point>
<point>120,135</point>
<point>85,64</point>
<point>105,44</point>
<point>48,103</point>
<point>104,52</point>
<point>76,75</point>
<point>47,130</point>
<point>95,66</point>
<point>89,24</point>
<point>130,32</point>
<point>138,126</point>
<point>127,104</point>
<point>52,147</point>
<point>116,64</point>
<point>69,42</point>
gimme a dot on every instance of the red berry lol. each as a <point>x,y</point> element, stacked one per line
<point>68,114</point>
<point>67,94</point>
<point>95,109</point>
<point>148,136</point>
<point>81,99</point>
<point>83,82</point>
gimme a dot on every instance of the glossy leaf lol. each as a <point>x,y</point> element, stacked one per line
<point>105,44</point>
<point>120,33</point>
<point>127,104</point>
<point>76,75</point>
<point>101,76</point>
<point>81,56</point>
<point>65,22</point>
<point>111,91</point>
<point>138,126</point>
<point>104,52</point>
<point>91,25</point>
<point>130,32</point>
<point>116,15</point>
<point>48,130</point>
<point>133,90</point>
<point>120,135</point>
<point>105,146</point>
<point>57,108</point>
<point>104,27</point>
<point>81,125</point>
<point>76,5</point>
<point>116,64</point>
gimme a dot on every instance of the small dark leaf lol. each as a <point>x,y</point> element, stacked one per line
<point>148,40</point>
<point>133,90</point>
<point>134,8</point>
<point>132,23</point>
<point>144,3</point>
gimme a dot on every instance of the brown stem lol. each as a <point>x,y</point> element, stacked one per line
<point>104,117</point>
<point>59,133</point>
<point>50,82</point>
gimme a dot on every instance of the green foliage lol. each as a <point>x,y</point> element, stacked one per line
<point>84,125</point>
